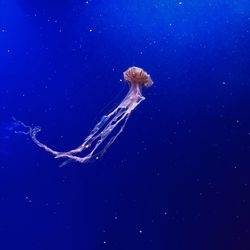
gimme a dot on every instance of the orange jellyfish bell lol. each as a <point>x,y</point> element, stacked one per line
<point>136,75</point>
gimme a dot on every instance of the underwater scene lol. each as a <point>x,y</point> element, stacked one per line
<point>125,125</point>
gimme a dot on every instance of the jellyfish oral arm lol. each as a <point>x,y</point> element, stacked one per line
<point>99,133</point>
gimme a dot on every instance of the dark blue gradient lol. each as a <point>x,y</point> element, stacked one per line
<point>178,177</point>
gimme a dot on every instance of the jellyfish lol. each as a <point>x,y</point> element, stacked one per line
<point>107,129</point>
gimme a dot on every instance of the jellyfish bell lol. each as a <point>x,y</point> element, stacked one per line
<point>107,129</point>
<point>136,75</point>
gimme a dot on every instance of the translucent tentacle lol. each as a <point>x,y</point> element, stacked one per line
<point>99,135</point>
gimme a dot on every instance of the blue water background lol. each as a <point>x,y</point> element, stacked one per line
<point>178,177</point>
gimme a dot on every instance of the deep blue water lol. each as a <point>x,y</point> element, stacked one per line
<point>178,177</point>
